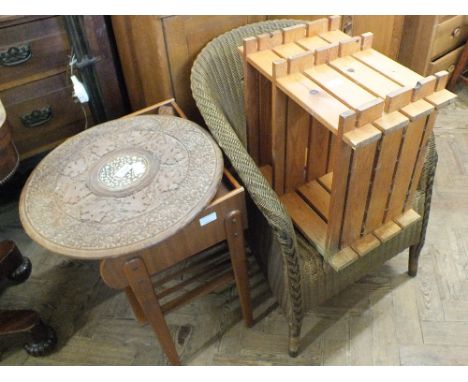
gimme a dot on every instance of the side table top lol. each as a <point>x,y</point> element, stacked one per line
<point>121,187</point>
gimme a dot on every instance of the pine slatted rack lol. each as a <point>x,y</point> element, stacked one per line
<point>340,131</point>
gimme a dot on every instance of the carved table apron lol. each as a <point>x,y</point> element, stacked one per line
<point>116,191</point>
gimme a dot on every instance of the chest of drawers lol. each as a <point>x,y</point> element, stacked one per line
<point>35,85</point>
<point>432,43</point>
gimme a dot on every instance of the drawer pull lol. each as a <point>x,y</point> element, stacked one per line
<point>37,117</point>
<point>456,32</point>
<point>451,68</point>
<point>16,55</point>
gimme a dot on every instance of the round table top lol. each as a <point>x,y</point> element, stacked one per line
<point>121,187</point>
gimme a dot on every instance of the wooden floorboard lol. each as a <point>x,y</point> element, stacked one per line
<point>386,318</point>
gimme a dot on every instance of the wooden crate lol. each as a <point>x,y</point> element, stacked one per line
<point>342,129</point>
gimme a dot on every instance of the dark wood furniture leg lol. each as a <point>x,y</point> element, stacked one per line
<point>41,337</point>
<point>140,283</point>
<point>13,265</point>
<point>235,240</point>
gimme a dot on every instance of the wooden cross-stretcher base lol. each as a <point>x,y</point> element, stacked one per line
<point>146,302</point>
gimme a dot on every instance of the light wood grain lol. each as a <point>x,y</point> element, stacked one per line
<point>297,137</point>
<point>305,218</point>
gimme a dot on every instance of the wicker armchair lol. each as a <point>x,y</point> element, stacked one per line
<point>297,274</point>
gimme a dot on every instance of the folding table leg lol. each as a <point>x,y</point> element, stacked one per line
<point>140,283</point>
<point>235,240</point>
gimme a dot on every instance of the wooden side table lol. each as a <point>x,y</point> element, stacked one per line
<point>137,194</point>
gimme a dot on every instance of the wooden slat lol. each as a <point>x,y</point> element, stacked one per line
<point>206,288</point>
<point>441,98</point>
<point>317,196</point>
<point>263,61</point>
<point>326,181</point>
<point>264,121</point>
<point>305,219</point>
<point>358,190</point>
<point>314,99</point>
<point>300,62</point>
<point>317,26</point>
<point>388,67</point>
<point>343,258</point>
<point>208,271</point>
<point>334,22</point>
<point>293,33</point>
<point>365,244</point>
<point>317,159</point>
<point>252,109</point>
<point>279,103</point>
<point>333,146</point>
<point>340,183</point>
<point>341,87</point>
<point>420,160</point>
<point>334,36</point>
<point>441,80</point>
<point>417,110</point>
<point>312,43</point>
<point>367,39</point>
<point>297,137</point>
<point>387,231</point>
<point>347,92</point>
<point>407,218</point>
<point>362,137</point>
<point>404,170</point>
<point>325,54</point>
<point>349,46</point>
<point>424,87</point>
<point>394,94</point>
<point>288,50</point>
<point>392,127</point>
<point>269,40</point>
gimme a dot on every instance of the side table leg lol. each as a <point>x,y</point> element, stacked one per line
<point>235,240</point>
<point>140,283</point>
<point>136,307</point>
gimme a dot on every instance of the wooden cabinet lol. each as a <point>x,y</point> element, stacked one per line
<point>157,52</point>
<point>35,85</point>
<point>432,43</point>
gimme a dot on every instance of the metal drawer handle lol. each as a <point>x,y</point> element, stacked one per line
<point>37,117</point>
<point>456,32</point>
<point>16,55</point>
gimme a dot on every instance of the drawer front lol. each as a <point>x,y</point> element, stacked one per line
<point>42,114</point>
<point>32,49</point>
<point>448,35</point>
<point>446,62</point>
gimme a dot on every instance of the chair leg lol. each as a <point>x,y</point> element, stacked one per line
<point>294,338</point>
<point>140,282</point>
<point>235,239</point>
<point>414,252</point>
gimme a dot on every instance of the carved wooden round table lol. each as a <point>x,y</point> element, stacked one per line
<point>115,191</point>
<point>121,187</point>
